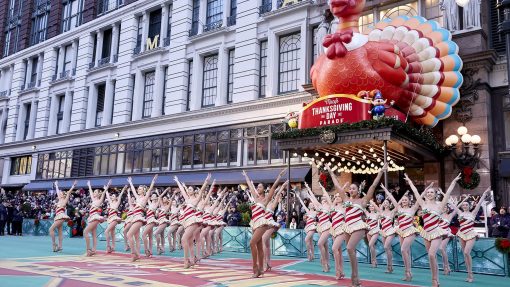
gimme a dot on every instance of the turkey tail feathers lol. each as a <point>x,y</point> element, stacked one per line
<point>433,65</point>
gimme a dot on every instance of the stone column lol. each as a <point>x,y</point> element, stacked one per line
<point>7,168</point>
<point>115,42</point>
<point>28,77</point>
<point>52,121</point>
<point>275,4</point>
<point>303,58</point>
<point>157,105</point>
<point>108,103</point>
<point>68,106</point>
<point>91,107</point>
<point>164,24</point>
<point>74,48</point>
<point>222,85</point>
<point>60,65</point>
<point>272,61</point>
<point>32,119</point>
<point>226,12</point>
<point>20,127</point>
<point>39,69</point>
<point>99,46</point>
<point>202,16</point>
<point>145,31</point>
<point>3,120</point>
<point>138,96</point>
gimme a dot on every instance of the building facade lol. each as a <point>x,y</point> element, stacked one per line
<point>93,88</point>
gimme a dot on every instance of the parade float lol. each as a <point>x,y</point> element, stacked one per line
<point>379,94</point>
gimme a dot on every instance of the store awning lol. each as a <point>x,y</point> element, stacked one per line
<point>231,176</point>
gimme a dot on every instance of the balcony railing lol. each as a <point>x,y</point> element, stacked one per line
<point>5,93</point>
<point>65,74</point>
<point>264,8</point>
<point>231,20</point>
<point>92,65</point>
<point>193,31</point>
<point>213,25</point>
<point>103,61</point>
<point>137,50</point>
<point>54,78</point>
<point>106,6</point>
<point>280,3</point>
<point>166,42</point>
<point>31,85</point>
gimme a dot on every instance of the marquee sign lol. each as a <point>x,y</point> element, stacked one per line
<point>339,109</point>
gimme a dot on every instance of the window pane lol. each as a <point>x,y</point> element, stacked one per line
<point>97,165</point>
<point>251,149</point>
<point>156,159</point>
<point>137,167</point>
<point>235,146</point>
<point>222,153</point>
<point>186,156</point>
<point>262,148</point>
<point>289,63</point>
<point>164,158</point>
<point>177,158</point>
<point>230,86</point>
<point>210,81</point>
<point>130,156</point>
<point>120,162</point>
<point>104,164</point>
<point>276,153</point>
<point>148,94</point>
<point>263,69</point>
<point>210,153</point>
<point>198,156</point>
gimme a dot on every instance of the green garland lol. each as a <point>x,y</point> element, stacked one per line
<point>425,135</point>
<point>475,181</point>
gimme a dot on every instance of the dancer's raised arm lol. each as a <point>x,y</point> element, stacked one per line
<point>389,196</point>
<point>90,189</point>
<point>302,203</point>
<point>376,207</point>
<point>326,194</point>
<point>274,186</point>
<point>480,201</point>
<point>70,191</point>
<point>181,189</point>
<point>340,189</point>
<point>204,185</point>
<point>449,191</point>
<point>105,190</point>
<point>314,200</point>
<point>419,199</point>
<point>133,189</point>
<point>151,187</point>
<point>371,189</point>
<point>251,187</point>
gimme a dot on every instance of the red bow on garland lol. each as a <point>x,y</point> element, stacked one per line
<point>468,172</point>
<point>324,179</point>
<point>335,44</point>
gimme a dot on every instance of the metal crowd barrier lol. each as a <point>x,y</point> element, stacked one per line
<point>291,242</point>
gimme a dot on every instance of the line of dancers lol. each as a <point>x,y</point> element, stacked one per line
<point>349,217</point>
<point>195,225</point>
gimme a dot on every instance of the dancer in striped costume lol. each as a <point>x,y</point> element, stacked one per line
<point>432,233</point>
<point>273,226</point>
<point>164,203</point>
<point>323,226</point>
<point>372,219</point>
<point>446,218</point>
<point>387,218</point>
<point>113,218</point>
<point>138,219</point>
<point>213,223</point>
<point>128,222</point>
<point>94,217</point>
<point>202,227</point>
<point>150,223</point>
<point>174,223</point>
<point>189,219</point>
<point>60,216</point>
<point>337,231</point>
<point>466,234</point>
<point>310,227</point>
<point>217,236</point>
<point>406,230</point>
<point>258,222</point>
<point>355,227</point>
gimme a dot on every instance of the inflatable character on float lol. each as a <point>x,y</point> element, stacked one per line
<point>411,60</point>
<point>379,106</point>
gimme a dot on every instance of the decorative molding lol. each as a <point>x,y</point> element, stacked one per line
<point>219,30</point>
<point>462,112</point>
<point>158,50</point>
<point>291,7</point>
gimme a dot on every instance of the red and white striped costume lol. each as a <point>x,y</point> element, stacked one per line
<point>150,215</point>
<point>113,215</point>
<point>337,221</point>
<point>199,215</point>
<point>466,230</point>
<point>269,217</point>
<point>431,229</point>
<point>387,228</point>
<point>95,214</point>
<point>174,216</point>
<point>354,217</point>
<point>60,213</point>
<point>445,224</point>
<point>311,223</point>
<point>405,224</point>
<point>129,216</point>
<point>258,213</point>
<point>188,216</point>
<point>221,215</point>
<point>163,216</point>
<point>373,223</point>
<point>324,224</point>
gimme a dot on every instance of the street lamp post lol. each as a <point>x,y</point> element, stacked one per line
<point>469,153</point>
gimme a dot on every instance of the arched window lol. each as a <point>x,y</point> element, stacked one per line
<point>210,83</point>
<point>410,10</point>
<point>288,76</point>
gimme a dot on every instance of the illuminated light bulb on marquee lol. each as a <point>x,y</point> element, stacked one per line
<point>368,161</point>
<point>295,154</point>
<point>363,166</point>
<point>327,154</point>
<point>339,164</point>
<point>371,149</point>
<point>342,159</point>
<point>358,163</point>
<point>322,159</point>
<point>364,157</point>
<point>333,159</point>
<point>305,154</point>
<point>337,153</point>
<point>378,160</point>
<point>360,151</point>
<point>382,163</point>
<point>316,154</point>
<point>372,165</point>
<point>348,164</point>
<point>375,155</point>
<point>389,158</point>
<point>346,152</point>
<point>353,158</point>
